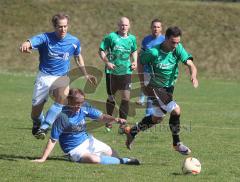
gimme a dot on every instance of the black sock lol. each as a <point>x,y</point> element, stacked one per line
<point>174,124</point>
<point>123,109</point>
<point>110,106</point>
<point>143,125</point>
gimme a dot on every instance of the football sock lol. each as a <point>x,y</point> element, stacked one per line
<point>51,115</point>
<point>143,125</point>
<point>149,108</point>
<point>123,109</point>
<point>110,106</point>
<point>174,124</point>
<point>38,121</point>
<point>112,160</point>
<point>141,97</point>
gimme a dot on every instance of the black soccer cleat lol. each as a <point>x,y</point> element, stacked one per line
<point>132,161</point>
<point>41,133</point>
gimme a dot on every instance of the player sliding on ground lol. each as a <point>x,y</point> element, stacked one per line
<point>164,59</point>
<point>70,130</point>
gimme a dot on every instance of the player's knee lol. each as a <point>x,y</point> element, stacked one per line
<point>176,111</point>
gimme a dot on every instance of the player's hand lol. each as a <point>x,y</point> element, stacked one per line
<point>25,47</point>
<point>38,160</point>
<point>110,66</point>
<point>121,121</point>
<point>194,82</point>
<point>91,79</point>
<point>134,65</point>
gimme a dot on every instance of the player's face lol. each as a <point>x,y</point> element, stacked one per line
<point>61,28</point>
<point>124,26</point>
<point>75,104</point>
<point>156,29</point>
<point>173,42</point>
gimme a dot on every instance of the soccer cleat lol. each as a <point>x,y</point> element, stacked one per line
<point>35,129</point>
<point>182,149</point>
<point>121,129</point>
<point>41,134</point>
<point>132,162</point>
<point>129,141</point>
<point>108,127</point>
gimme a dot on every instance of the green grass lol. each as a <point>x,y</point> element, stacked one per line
<point>210,29</point>
<point>210,120</point>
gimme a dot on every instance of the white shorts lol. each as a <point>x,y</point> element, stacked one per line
<point>169,108</point>
<point>89,146</point>
<point>147,77</point>
<point>44,84</point>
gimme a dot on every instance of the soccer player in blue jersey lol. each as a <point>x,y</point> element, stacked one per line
<point>155,38</point>
<point>55,52</point>
<point>70,130</point>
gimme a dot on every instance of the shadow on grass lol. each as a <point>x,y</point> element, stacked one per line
<point>177,174</point>
<point>17,157</point>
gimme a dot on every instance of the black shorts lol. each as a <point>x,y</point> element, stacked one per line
<point>117,82</point>
<point>160,96</point>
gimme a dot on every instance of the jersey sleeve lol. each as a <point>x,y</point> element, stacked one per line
<point>37,40</point>
<point>182,54</point>
<point>91,112</point>
<point>78,48</point>
<point>143,44</point>
<point>148,56</point>
<point>105,44</point>
<point>58,126</point>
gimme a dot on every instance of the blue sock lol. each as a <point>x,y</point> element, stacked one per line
<point>142,97</point>
<point>39,120</point>
<point>51,115</point>
<point>106,160</point>
<point>149,108</point>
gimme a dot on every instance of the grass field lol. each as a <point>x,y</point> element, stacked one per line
<point>210,120</point>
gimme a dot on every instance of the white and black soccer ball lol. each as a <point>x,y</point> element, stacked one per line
<point>191,165</point>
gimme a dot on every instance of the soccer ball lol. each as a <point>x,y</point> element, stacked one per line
<point>191,165</point>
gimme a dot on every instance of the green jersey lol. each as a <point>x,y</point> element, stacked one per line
<point>118,51</point>
<point>165,65</point>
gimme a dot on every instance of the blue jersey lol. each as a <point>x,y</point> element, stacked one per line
<point>149,42</point>
<point>70,128</point>
<point>54,53</point>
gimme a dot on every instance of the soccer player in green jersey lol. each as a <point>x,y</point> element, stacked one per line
<point>164,59</point>
<point>118,50</point>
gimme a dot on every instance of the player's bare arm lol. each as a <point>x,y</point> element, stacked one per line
<point>26,47</point>
<point>134,63</point>
<point>50,145</point>
<point>193,73</point>
<point>104,58</point>
<point>80,63</point>
<point>110,119</point>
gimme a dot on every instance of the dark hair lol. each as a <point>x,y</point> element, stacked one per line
<point>58,17</point>
<point>173,31</point>
<point>155,20</point>
<point>76,93</point>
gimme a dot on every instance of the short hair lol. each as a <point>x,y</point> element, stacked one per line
<point>155,20</point>
<point>59,16</point>
<point>76,94</point>
<point>173,31</point>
